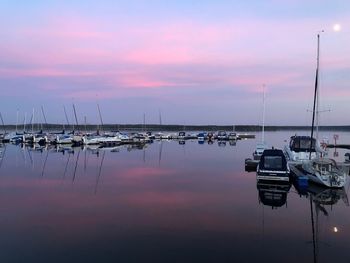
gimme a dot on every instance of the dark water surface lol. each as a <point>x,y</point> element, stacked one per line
<point>166,203</point>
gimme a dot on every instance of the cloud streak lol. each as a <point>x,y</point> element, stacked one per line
<point>81,55</point>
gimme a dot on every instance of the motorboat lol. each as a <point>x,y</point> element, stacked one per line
<point>347,157</point>
<point>141,137</point>
<point>273,166</point>
<point>91,139</point>
<point>150,135</point>
<point>232,136</point>
<point>64,139</point>
<point>98,139</point>
<point>2,137</point>
<point>210,136</point>
<point>201,136</point>
<point>182,135</point>
<point>162,136</point>
<point>260,147</point>
<point>222,135</point>
<point>325,171</point>
<point>40,139</point>
<point>300,149</point>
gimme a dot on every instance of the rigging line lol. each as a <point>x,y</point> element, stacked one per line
<point>3,156</point>
<point>76,165</point>
<point>65,169</point>
<point>30,156</point>
<point>75,115</point>
<point>47,155</point>
<point>100,115</point>
<point>144,155</point>
<point>99,172</point>
<point>65,113</point>
<point>42,111</point>
<point>160,152</point>
<point>85,161</point>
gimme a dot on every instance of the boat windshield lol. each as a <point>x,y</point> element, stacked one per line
<point>273,162</point>
<point>302,144</point>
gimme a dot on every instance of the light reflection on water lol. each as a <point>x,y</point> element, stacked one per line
<point>168,202</point>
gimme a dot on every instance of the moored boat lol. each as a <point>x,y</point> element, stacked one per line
<point>222,135</point>
<point>232,136</point>
<point>273,166</point>
<point>64,139</point>
<point>260,147</point>
<point>300,149</point>
<point>325,171</point>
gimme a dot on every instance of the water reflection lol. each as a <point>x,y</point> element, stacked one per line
<point>273,194</point>
<point>322,202</point>
<point>163,203</point>
<point>2,153</point>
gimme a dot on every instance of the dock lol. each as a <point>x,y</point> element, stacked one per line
<point>245,136</point>
<point>341,146</point>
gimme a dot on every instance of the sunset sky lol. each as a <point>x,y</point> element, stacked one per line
<point>197,62</point>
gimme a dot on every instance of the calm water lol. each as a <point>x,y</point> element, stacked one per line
<point>166,203</point>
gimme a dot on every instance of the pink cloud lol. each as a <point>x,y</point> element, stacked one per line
<point>127,61</point>
<point>42,72</point>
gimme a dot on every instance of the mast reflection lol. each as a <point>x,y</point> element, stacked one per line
<point>321,201</point>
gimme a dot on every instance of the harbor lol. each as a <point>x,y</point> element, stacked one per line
<point>170,192</point>
<point>174,131</point>
<point>107,138</point>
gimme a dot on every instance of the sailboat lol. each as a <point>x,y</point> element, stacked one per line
<point>322,170</point>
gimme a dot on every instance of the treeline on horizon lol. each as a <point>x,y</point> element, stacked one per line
<point>168,127</point>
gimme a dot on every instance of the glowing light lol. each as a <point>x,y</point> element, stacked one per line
<point>335,229</point>
<point>336,27</point>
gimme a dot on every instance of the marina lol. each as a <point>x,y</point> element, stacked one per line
<point>162,196</point>
<point>174,131</point>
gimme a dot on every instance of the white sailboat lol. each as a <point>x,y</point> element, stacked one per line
<point>322,170</point>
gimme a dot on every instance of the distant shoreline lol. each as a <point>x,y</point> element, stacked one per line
<point>169,127</point>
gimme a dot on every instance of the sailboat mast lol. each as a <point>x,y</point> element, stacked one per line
<point>42,111</point>
<point>160,118</point>
<point>33,122</point>
<point>75,115</point>
<point>263,119</point>
<point>65,113</point>
<point>17,122</point>
<point>144,122</point>
<point>317,117</point>
<point>99,113</point>
<point>3,124</point>
<point>24,122</point>
<point>315,93</point>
